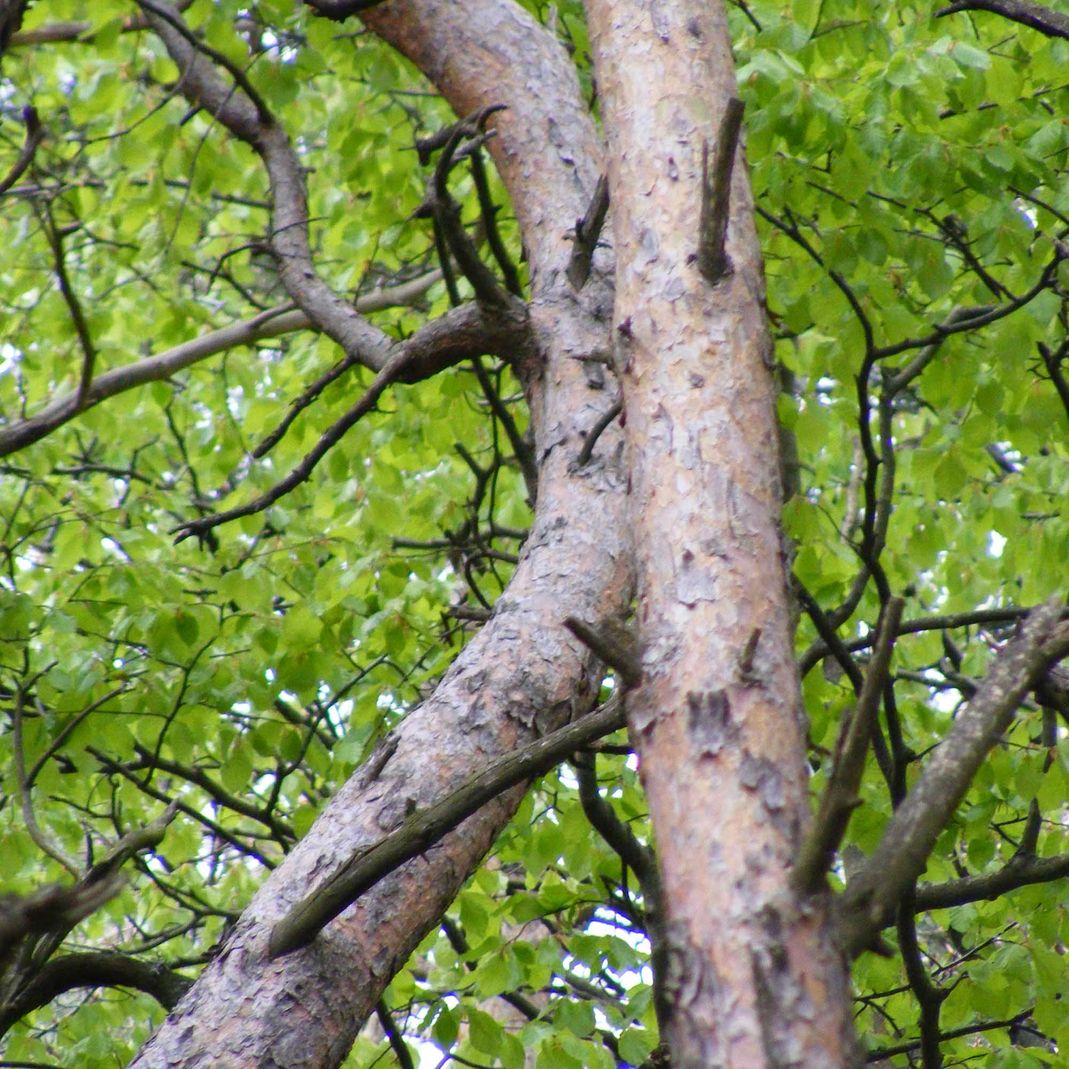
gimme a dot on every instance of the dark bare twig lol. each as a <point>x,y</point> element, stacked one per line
<point>394,1036</point>
<point>840,795</point>
<point>929,996</point>
<point>423,828</point>
<point>948,621</point>
<point>1053,361</point>
<point>521,449</point>
<point>102,968</point>
<point>493,235</point>
<point>957,324</point>
<point>35,134</point>
<point>171,16</point>
<point>470,126</point>
<point>237,107</point>
<point>1052,23</point>
<point>713,260</point>
<point>74,307</point>
<point>447,212</point>
<point>1019,871</point>
<point>339,10</point>
<point>873,895</point>
<point>587,232</point>
<point>613,643</point>
<point>597,430</point>
<point>304,469</point>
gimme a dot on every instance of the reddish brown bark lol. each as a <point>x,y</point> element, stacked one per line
<point>752,977</point>
<point>524,672</point>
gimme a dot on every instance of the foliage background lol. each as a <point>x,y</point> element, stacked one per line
<point>905,166</point>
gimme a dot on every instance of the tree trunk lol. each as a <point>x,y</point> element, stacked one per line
<point>524,673</point>
<point>752,976</point>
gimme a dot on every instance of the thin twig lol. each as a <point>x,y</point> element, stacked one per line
<point>1052,23</point>
<point>840,794</point>
<point>304,469</point>
<point>597,430</point>
<point>35,134</point>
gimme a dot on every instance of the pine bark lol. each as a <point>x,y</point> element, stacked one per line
<point>752,977</point>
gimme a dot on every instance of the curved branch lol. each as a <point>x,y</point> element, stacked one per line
<point>102,968</point>
<point>35,134</point>
<point>439,344</point>
<point>1052,23</point>
<point>272,323</point>
<point>1020,871</point>
<point>245,115</point>
<point>871,897</point>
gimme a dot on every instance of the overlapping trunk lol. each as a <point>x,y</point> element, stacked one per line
<point>524,673</point>
<point>751,976</point>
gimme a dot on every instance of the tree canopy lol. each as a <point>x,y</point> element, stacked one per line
<point>234,557</point>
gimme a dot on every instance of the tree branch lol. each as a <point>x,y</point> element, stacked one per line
<point>35,134</point>
<point>436,342</point>
<point>102,968</point>
<point>282,319</point>
<point>587,232</point>
<point>240,109</point>
<point>713,260</point>
<point>424,828</point>
<point>1019,871</point>
<point>339,10</point>
<point>840,794</point>
<point>871,897</point>
<point>1052,23</point>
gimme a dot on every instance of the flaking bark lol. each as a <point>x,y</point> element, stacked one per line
<point>753,978</point>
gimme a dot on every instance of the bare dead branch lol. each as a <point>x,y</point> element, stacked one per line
<point>493,234</point>
<point>102,968</point>
<point>520,448</point>
<point>11,14</point>
<point>1019,871</point>
<point>840,794</point>
<point>1053,361</point>
<point>872,896</point>
<point>447,212</point>
<point>35,134</point>
<point>587,232</point>
<point>637,857</point>
<point>422,829</point>
<point>52,909</point>
<point>24,786</point>
<point>713,260</point>
<point>612,643</point>
<point>1052,23</point>
<point>597,430</point>
<point>943,622</point>
<point>339,10</point>
<point>74,306</point>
